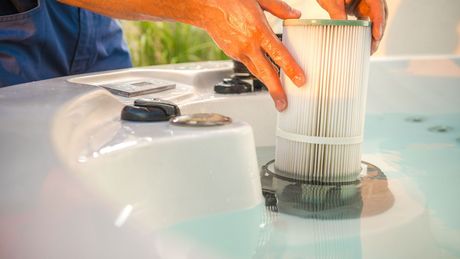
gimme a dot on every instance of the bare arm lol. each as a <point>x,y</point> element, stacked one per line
<point>187,11</point>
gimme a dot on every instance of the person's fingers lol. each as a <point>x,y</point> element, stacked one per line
<point>376,10</point>
<point>379,31</point>
<point>335,8</point>
<point>281,56</point>
<point>263,69</point>
<point>280,9</point>
<point>377,16</point>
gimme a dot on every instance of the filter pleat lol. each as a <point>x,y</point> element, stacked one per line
<point>321,130</point>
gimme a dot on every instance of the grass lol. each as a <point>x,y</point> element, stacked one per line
<point>153,43</point>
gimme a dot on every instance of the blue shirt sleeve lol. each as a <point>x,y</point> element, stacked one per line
<point>53,39</point>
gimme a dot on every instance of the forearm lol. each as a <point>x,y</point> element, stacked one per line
<point>187,11</point>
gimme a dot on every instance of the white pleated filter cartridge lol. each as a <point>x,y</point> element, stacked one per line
<point>319,135</point>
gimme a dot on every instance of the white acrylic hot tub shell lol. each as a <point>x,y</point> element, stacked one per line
<point>171,173</point>
<point>76,182</point>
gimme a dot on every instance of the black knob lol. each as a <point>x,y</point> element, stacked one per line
<point>150,110</point>
<point>233,85</point>
<point>169,107</point>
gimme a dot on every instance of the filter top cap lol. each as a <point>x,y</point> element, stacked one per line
<point>315,22</point>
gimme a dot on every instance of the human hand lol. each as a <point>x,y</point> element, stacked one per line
<point>375,10</point>
<point>241,30</point>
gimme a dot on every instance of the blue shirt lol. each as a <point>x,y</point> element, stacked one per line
<point>41,39</point>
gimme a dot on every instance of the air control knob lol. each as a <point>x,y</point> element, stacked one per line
<point>150,110</point>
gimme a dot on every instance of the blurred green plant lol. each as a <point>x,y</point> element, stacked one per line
<point>153,43</point>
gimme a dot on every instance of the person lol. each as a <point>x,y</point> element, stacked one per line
<point>41,39</point>
<point>44,38</point>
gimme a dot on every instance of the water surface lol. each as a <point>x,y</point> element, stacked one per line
<point>419,155</point>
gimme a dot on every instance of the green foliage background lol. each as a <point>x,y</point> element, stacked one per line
<point>153,43</point>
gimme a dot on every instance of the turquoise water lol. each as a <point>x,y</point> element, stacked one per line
<point>420,156</point>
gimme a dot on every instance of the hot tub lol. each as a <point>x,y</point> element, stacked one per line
<point>78,182</point>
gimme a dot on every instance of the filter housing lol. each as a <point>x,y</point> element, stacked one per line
<point>319,135</point>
